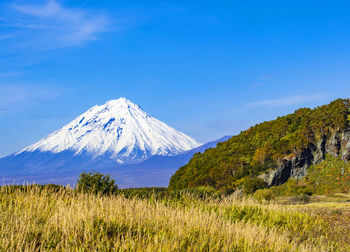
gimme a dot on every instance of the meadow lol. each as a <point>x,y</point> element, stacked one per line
<point>36,218</point>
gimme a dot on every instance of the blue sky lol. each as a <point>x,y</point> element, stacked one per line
<point>207,68</point>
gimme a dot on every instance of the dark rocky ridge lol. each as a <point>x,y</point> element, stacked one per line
<point>295,166</point>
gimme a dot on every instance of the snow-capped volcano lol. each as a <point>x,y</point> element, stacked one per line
<point>119,130</point>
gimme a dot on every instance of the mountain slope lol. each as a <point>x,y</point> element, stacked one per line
<point>111,137</point>
<point>119,130</point>
<point>272,151</point>
<point>64,168</point>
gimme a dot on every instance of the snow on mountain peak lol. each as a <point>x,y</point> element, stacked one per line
<point>120,130</point>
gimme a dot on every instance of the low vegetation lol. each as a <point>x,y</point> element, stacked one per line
<point>56,218</point>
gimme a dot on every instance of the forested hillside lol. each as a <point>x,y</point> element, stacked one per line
<point>271,152</point>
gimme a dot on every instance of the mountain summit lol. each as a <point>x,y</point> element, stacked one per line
<point>119,130</point>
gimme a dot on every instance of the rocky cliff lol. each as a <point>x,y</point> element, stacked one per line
<point>295,166</point>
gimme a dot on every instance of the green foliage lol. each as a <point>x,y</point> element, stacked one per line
<point>292,187</point>
<point>262,147</point>
<point>264,194</point>
<point>96,183</point>
<point>330,176</point>
<point>251,184</point>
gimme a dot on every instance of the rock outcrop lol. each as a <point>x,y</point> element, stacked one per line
<point>296,166</point>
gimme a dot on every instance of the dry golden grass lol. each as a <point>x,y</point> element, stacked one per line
<point>67,221</point>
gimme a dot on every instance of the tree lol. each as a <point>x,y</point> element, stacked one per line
<point>260,155</point>
<point>96,183</point>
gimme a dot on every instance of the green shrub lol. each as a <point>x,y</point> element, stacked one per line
<point>96,183</point>
<point>264,194</point>
<point>251,184</point>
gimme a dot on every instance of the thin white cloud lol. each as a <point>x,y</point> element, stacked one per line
<point>56,26</point>
<point>287,101</point>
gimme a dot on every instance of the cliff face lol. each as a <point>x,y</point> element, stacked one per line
<point>338,145</point>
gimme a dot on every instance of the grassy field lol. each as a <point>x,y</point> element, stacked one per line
<point>60,219</point>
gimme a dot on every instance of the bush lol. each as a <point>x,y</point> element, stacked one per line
<point>96,183</point>
<point>251,184</point>
<point>264,194</point>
